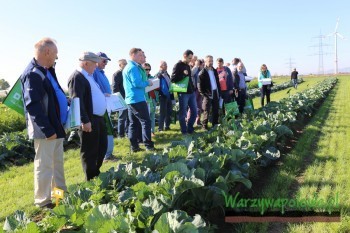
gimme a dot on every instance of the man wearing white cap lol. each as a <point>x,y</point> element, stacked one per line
<point>93,132</point>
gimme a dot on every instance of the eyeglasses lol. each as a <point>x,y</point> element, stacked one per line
<point>147,69</point>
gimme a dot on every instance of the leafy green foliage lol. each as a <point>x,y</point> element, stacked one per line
<point>15,148</point>
<point>10,121</point>
<point>159,193</point>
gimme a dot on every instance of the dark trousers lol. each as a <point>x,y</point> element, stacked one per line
<point>93,147</point>
<point>214,105</point>
<point>225,95</point>
<point>241,99</point>
<point>165,110</point>
<point>123,123</point>
<point>265,91</point>
<point>139,118</point>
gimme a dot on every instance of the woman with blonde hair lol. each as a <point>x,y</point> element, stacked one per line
<point>265,84</point>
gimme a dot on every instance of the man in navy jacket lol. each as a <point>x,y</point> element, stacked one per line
<point>46,112</point>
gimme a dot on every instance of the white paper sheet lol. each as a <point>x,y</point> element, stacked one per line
<point>115,102</point>
<point>73,118</point>
<point>156,84</point>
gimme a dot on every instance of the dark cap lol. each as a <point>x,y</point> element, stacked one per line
<point>103,55</point>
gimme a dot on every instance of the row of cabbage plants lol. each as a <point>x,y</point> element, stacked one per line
<point>183,188</point>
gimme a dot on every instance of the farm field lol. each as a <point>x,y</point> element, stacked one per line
<point>318,162</point>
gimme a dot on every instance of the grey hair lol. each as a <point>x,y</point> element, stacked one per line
<point>44,43</point>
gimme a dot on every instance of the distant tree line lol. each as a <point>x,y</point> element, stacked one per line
<point>4,84</point>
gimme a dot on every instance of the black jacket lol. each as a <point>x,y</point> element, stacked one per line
<point>118,83</point>
<point>204,86</point>
<point>79,86</point>
<point>179,74</point>
<point>294,75</point>
<point>42,110</point>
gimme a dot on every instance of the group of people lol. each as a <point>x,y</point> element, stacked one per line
<point>46,105</point>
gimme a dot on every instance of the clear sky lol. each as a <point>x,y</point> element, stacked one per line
<point>258,32</point>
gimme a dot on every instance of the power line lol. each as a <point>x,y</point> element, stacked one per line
<point>290,64</point>
<point>320,53</point>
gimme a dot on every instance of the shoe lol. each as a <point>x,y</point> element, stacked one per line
<point>110,158</point>
<point>191,132</point>
<point>167,128</point>
<point>48,206</point>
<point>150,149</point>
<point>135,150</point>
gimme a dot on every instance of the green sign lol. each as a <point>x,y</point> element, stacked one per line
<point>14,99</point>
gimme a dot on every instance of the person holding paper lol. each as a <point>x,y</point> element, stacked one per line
<point>93,107</point>
<point>264,83</point>
<point>151,98</point>
<point>187,99</point>
<point>165,98</point>
<point>102,80</point>
<point>209,88</point>
<point>123,120</point>
<point>240,87</point>
<point>134,85</point>
<point>45,106</point>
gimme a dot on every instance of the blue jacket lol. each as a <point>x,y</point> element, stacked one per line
<point>102,81</point>
<point>163,86</point>
<point>41,106</point>
<point>133,83</point>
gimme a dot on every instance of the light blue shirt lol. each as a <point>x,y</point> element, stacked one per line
<point>133,83</point>
<point>242,84</point>
<point>102,81</point>
<point>99,105</point>
<point>61,97</point>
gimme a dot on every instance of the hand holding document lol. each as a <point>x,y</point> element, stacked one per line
<point>116,102</point>
<point>155,85</point>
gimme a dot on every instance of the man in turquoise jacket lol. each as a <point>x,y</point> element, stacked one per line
<point>138,113</point>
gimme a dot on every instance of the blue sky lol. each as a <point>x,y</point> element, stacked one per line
<point>258,32</point>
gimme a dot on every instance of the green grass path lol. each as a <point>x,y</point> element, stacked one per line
<point>318,164</point>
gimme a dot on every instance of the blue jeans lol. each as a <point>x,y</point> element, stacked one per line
<point>110,146</point>
<point>295,82</point>
<point>187,101</point>
<point>123,122</point>
<point>139,117</point>
<point>165,110</point>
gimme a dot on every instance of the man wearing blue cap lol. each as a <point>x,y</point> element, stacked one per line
<point>102,80</point>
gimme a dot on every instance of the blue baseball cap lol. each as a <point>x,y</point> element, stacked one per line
<point>103,55</point>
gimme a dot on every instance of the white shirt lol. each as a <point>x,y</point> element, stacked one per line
<point>99,105</point>
<point>212,80</point>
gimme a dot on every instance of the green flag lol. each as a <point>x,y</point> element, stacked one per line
<point>14,98</point>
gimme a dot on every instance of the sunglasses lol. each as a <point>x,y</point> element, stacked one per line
<point>147,69</point>
<point>105,61</point>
